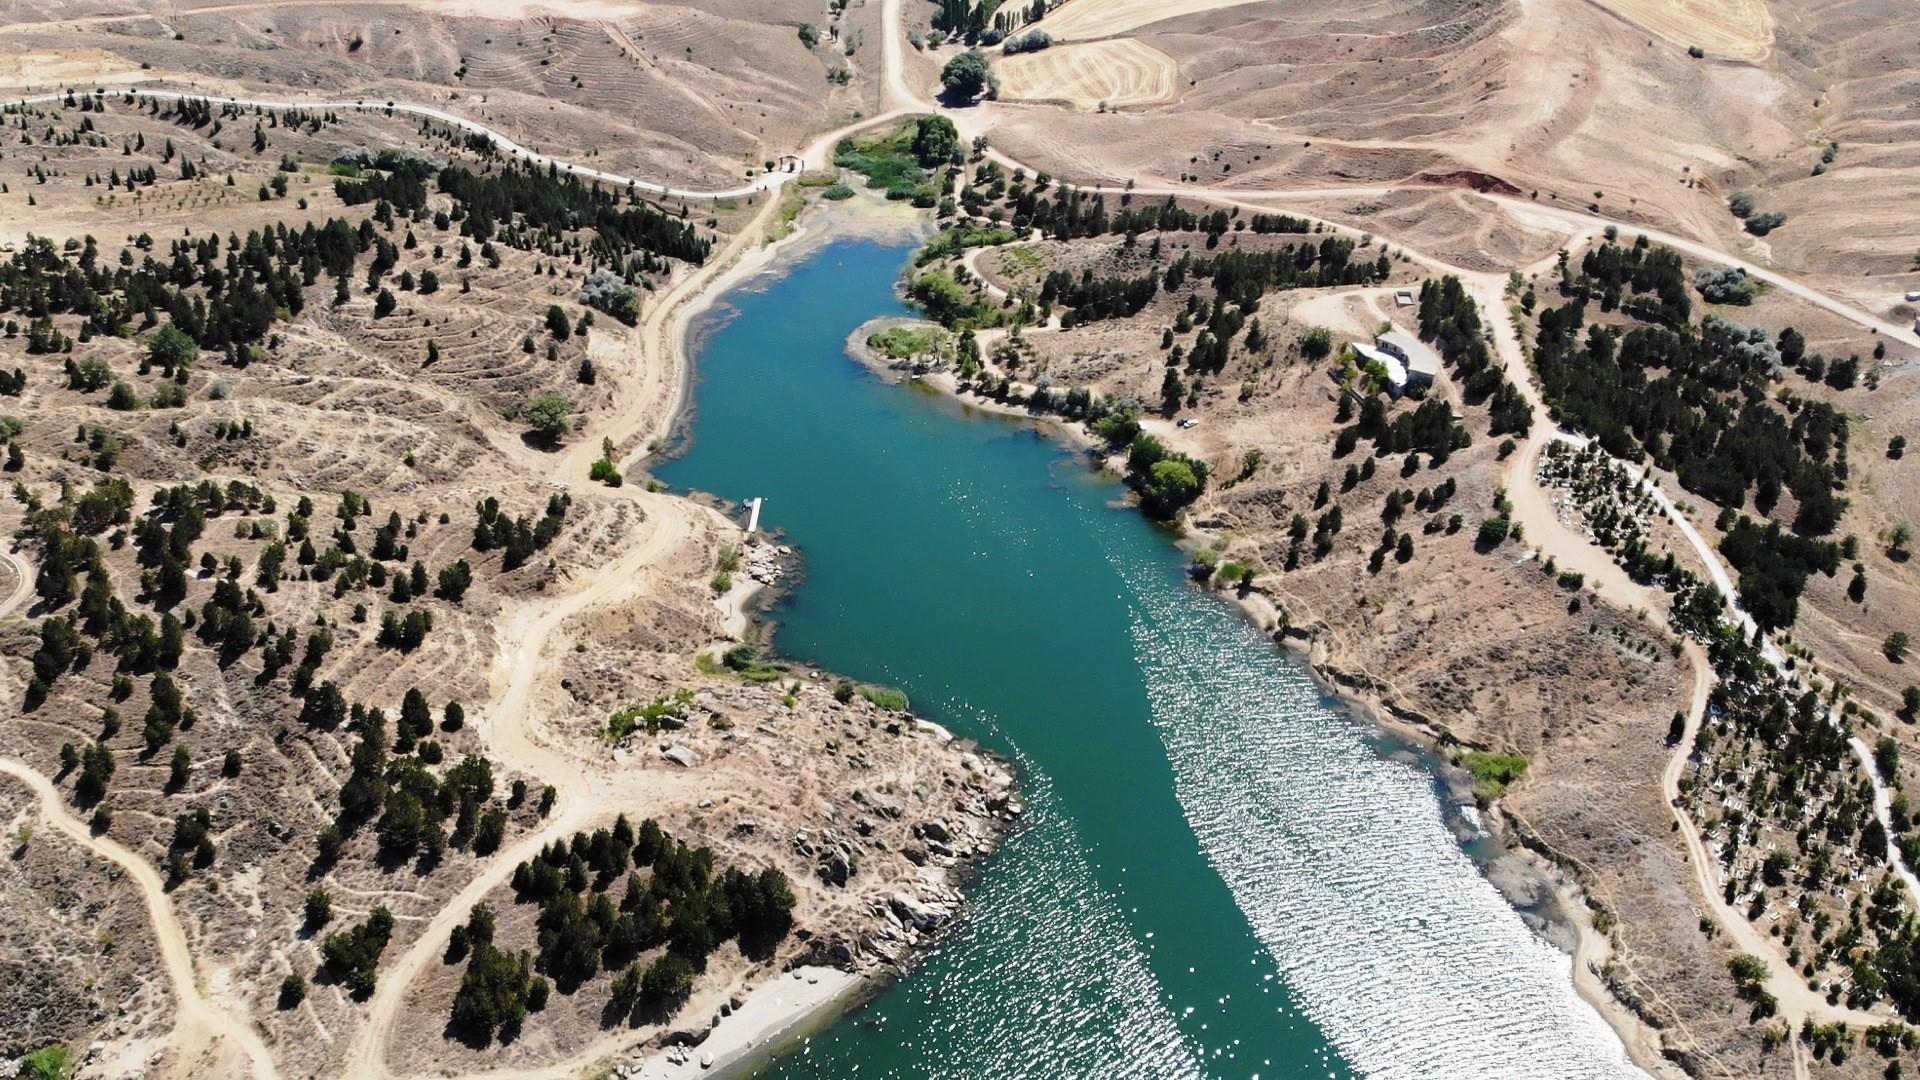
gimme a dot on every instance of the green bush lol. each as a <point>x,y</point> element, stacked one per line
<point>1493,773</point>
<point>53,1062</point>
<point>172,347</point>
<point>886,697</point>
<point>1725,285</point>
<point>889,164</point>
<point>353,956</point>
<point>1166,481</point>
<point>665,712</point>
<point>549,415</point>
<point>1118,428</point>
<point>965,76</point>
<point>906,342</point>
<point>1493,532</point>
<point>957,239</point>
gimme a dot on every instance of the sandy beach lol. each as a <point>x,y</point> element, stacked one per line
<point>767,1015</point>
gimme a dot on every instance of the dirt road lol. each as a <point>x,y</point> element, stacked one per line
<point>766,181</point>
<point>208,1038</point>
<point>588,790</point>
<point>1783,981</point>
<point>21,586</point>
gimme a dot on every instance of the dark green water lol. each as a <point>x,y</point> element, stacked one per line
<point>1220,874</point>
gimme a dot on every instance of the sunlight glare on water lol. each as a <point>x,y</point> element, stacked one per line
<point>1385,930</point>
<point>1219,875</point>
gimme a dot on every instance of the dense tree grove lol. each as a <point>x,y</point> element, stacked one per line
<point>1451,320</point>
<point>1695,401</point>
<point>673,898</point>
<point>1695,398</point>
<point>1658,284</point>
<point>1242,277</point>
<point>1092,299</point>
<point>1774,567</point>
<point>549,202</point>
<point>1072,214</point>
<point>1239,279</point>
<point>220,302</point>
<point>396,177</point>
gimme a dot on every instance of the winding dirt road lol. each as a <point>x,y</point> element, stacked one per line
<point>22,587</point>
<point>588,791</point>
<point>208,1033</point>
<point>1783,981</point>
<point>208,1038</point>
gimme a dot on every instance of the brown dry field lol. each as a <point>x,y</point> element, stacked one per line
<point>1562,98</point>
<point>1737,29</point>
<point>1095,75</point>
<point>76,949</point>
<point>689,95</point>
<point>1083,20</point>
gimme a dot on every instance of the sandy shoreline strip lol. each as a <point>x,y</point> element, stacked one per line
<point>767,1015</point>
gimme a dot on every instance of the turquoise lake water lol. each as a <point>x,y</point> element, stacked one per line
<point>1221,873</point>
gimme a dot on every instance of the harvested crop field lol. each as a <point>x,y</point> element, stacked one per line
<point>1117,72</point>
<point>1082,20</point>
<point>47,67</point>
<point>1736,29</point>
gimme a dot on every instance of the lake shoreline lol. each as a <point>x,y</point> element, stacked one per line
<point>1586,947</point>
<point>1524,867</point>
<point>786,1008</point>
<point>1366,706</point>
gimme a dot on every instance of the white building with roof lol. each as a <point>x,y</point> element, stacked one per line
<point>1393,370</point>
<point>1404,359</point>
<point>1422,363</point>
